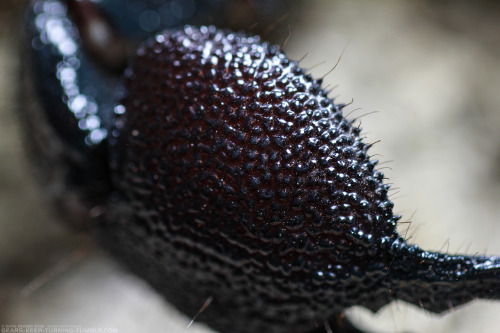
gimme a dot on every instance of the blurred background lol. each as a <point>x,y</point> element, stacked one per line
<point>430,70</point>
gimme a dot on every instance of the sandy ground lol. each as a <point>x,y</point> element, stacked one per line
<point>433,74</point>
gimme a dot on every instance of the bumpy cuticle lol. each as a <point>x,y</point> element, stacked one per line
<point>225,174</point>
<point>243,182</point>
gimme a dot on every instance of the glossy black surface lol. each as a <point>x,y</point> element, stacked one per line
<point>74,56</point>
<point>68,106</point>
<point>242,182</point>
<point>233,177</point>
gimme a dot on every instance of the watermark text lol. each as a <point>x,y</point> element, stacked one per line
<point>55,329</point>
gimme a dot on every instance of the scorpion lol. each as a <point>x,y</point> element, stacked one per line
<point>206,201</point>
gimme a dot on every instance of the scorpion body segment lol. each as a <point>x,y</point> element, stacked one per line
<point>229,175</point>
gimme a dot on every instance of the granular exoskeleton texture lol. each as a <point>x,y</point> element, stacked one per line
<point>240,182</point>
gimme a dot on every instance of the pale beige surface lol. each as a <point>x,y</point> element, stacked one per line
<point>434,76</point>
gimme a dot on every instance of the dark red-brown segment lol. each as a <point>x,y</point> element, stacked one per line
<point>240,180</point>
